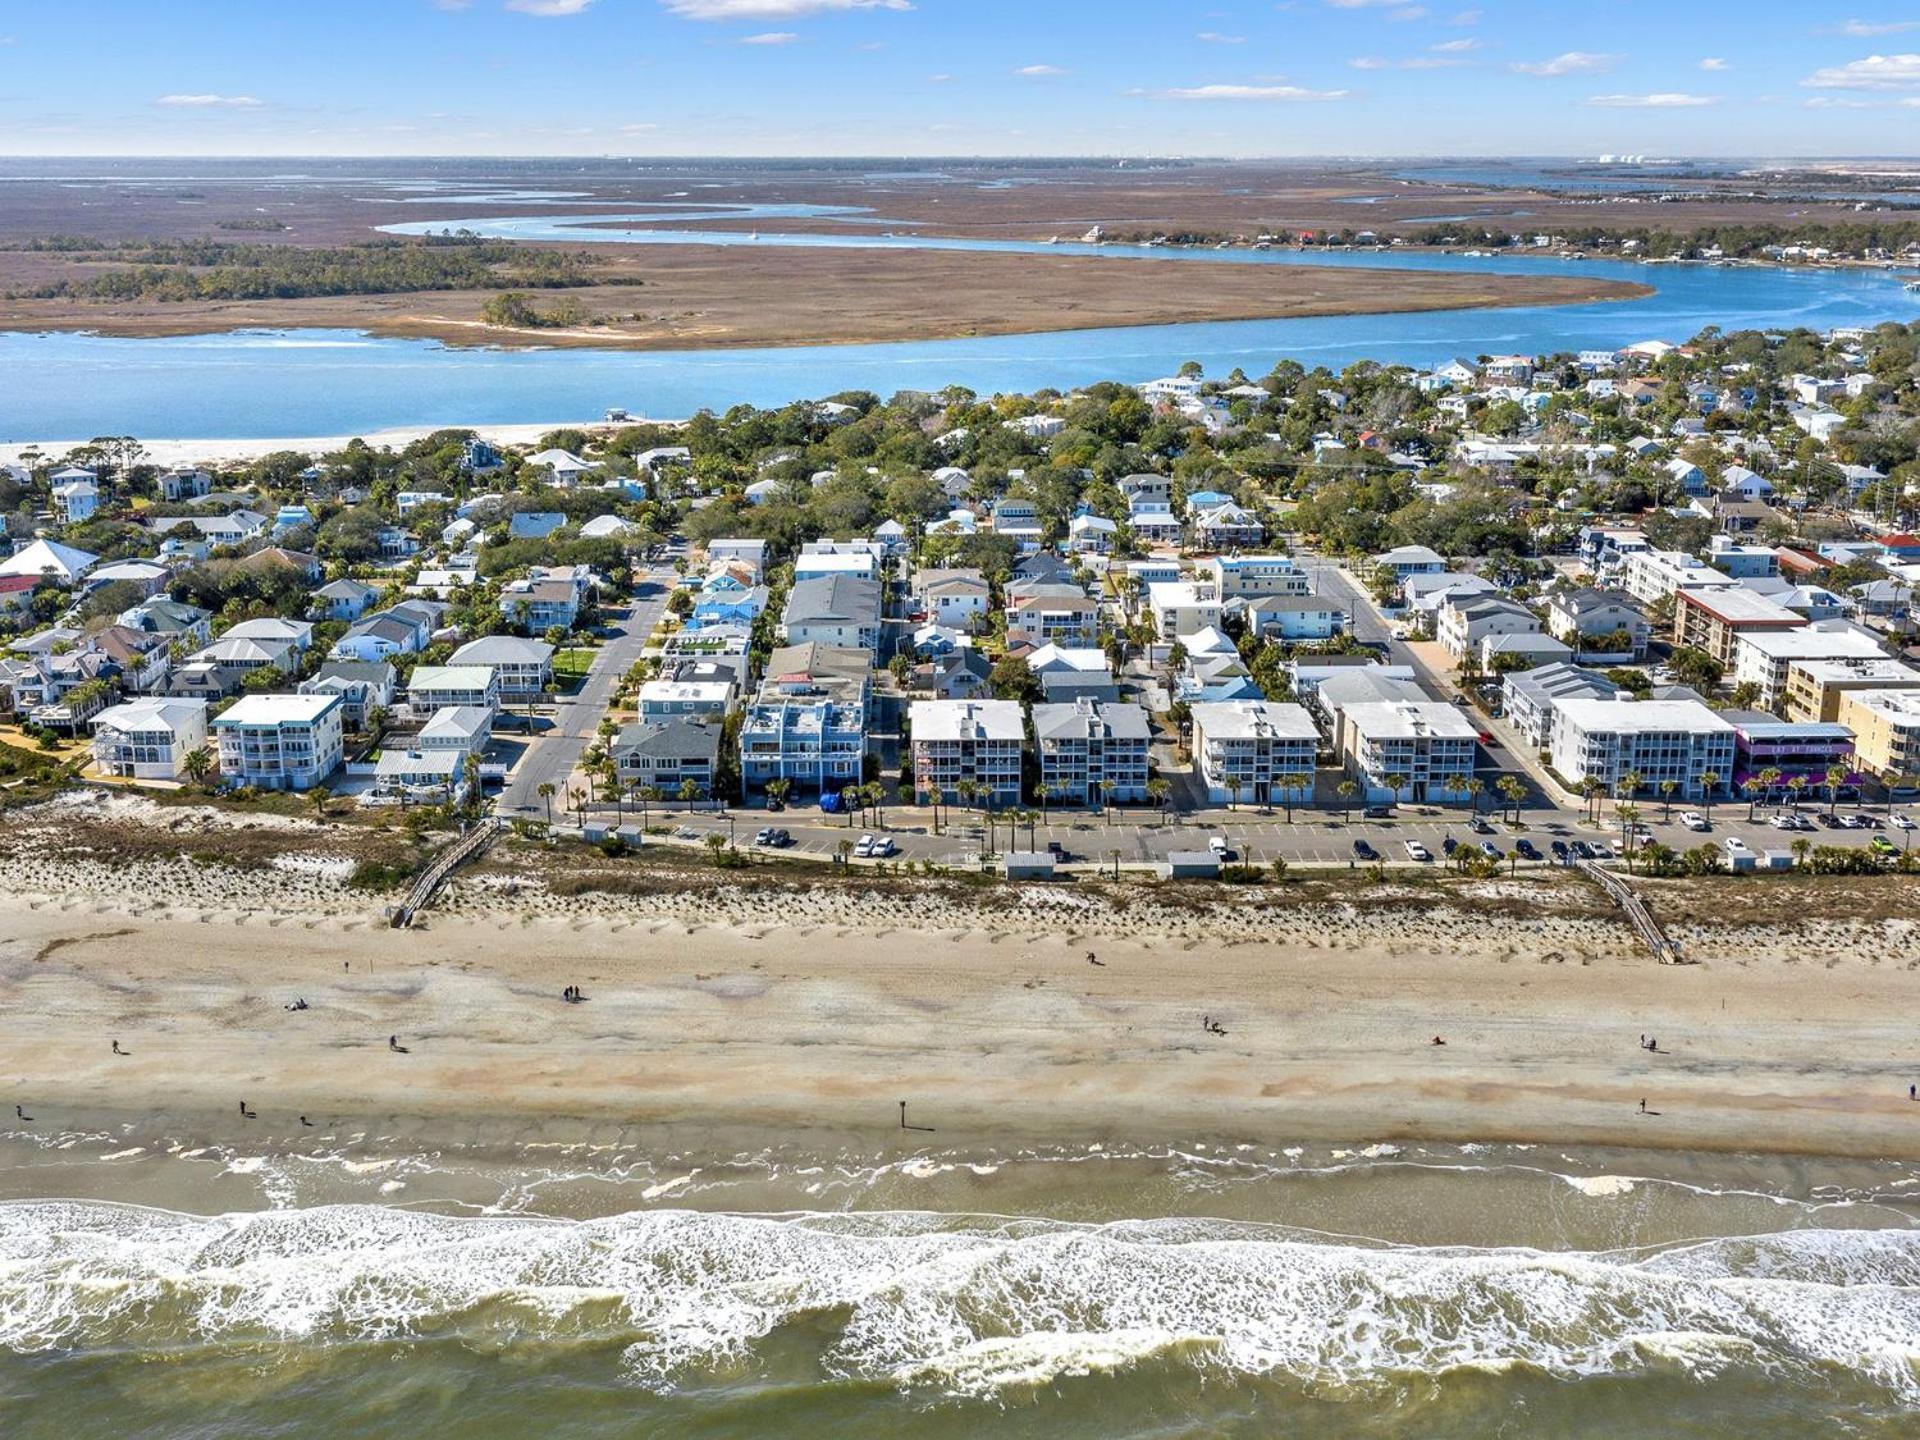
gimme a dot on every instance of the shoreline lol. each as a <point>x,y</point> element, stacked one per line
<point>722,1020</point>
<point>243,449</point>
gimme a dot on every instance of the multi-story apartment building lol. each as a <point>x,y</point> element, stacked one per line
<point>1254,751</point>
<point>1886,733</point>
<point>1763,659</point>
<point>1716,618</point>
<point>1183,608</point>
<point>1651,575</point>
<point>960,741</point>
<point>148,739</point>
<point>1460,625</point>
<point>807,725</point>
<point>1092,750</point>
<point>1062,614</point>
<point>1815,688</point>
<point>696,689</point>
<point>1658,740</point>
<point>840,611</point>
<point>1602,626</point>
<point>1412,750</point>
<point>280,742</point>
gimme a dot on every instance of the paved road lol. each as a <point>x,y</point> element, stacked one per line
<point>551,756</point>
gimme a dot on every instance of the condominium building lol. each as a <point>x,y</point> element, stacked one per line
<point>1092,750</point>
<point>1886,733</point>
<point>149,739</point>
<point>807,725</point>
<point>961,741</point>
<point>280,742</point>
<point>1716,618</point>
<point>697,689</point>
<point>1763,659</point>
<point>1063,614</point>
<point>841,611</point>
<point>1532,695</point>
<point>1257,751</point>
<point>1650,575</point>
<point>1462,624</point>
<point>1657,740</point>
<point>1815,688</point>
<point>1250,576</point>
<point>1602,626</point>
<point>1183,608</point>
<point>1417,750</point>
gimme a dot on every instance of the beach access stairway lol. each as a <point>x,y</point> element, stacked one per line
<point>1638,915</point>
<point>468,847</point>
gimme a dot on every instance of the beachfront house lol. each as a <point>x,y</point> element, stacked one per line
<point>149,739</point>
<point>280,742</point>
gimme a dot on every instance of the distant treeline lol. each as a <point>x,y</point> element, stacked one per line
<point>1735,241</point>
<point>176,270</point>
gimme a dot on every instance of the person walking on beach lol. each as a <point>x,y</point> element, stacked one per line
<point>1643,1107</point>
<point>116,1048</point>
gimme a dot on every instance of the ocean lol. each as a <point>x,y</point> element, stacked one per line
<point>572,1287</point>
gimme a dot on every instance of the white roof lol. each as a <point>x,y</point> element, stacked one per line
<point>1642,716</point>
<point>968,720</point>
<point>1815,642</point>
<point>559,460</point>
<point>1254,719</point>
<point>48,557</point>
<point>156,714</point>
<point>451,677</point>
<point>1406,720</point>
<point>278,709</point>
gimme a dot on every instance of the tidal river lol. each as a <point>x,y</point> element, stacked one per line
<point>332,382</point>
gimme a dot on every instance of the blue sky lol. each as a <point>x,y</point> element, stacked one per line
<point>1759,78</point>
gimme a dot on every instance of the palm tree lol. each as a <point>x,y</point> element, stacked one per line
<point>1752,788</point>
<point>1627,815</point>
<point>578,797</point>
<point>1396,782</point>
<point>1106,798</point>
<point>1457,785</point>
<point>469,772</point>
<point>689,792</point>
<point>969,792</point>
<point>1159,792</point>
<point>545,791</point>
<point>1628,786</point>
<point>197,765</point>
<point>320,795</point>
<point>1234,785</point>
<point>1475,786</point>
<point>1041,792</point>
<point>1346,790</point>
<point>649,795</point>
<point>1667,787</point>
<point>1770,779</point>
<point>1592,787</point>
<point>1709,782</point>
<point>1801,849</point>
<point>778,789</point>
<point>1514,791</point>
<point>1836,777</point>
<point>1795,784</point>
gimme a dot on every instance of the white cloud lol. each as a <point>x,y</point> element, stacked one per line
<point>1465,18</point>
<point>1876,72</point>
<point>1714,63</point>
<point>209,102</point>
<point>1214,37</point>
<point>1249,92</point>
<point>549,9</point>
<point>1418,62</point>
<point>1455,47</point>
<point>1574,62</point>
<point>772,9</point>
<point>772,37</point>
<point>1869,29</point>
<point>1037,72</point>
<point>1670,100</point>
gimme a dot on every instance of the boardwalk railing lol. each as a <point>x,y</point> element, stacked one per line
<point>1641,918</point>
<point>468,847</point>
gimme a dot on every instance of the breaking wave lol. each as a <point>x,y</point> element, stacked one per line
<point>965,1304</point>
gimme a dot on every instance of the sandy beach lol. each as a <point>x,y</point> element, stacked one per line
<point>784,1007</point>
<point>214,451</point>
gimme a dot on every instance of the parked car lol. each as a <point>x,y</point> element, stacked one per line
<point>1491,850</point>
<point>1560,851</point>
<point>1601,850</point>
<point>1056,849</point>
<point>1736,846</point>
<point>1377,812</point>
<point>1365,851</point>
<point>1581,850</point>
<point>1880,845</point>
<point>1901,821</point>
<point>1218,845</point>
<point>1479,825</point>
<point>1832,822</point>
<point>763,836</point>
<point>1525,850</point>
<point>1417,851</point>
<point>1859,822</point>
<point>685,832</point>
<point>1693,820</point>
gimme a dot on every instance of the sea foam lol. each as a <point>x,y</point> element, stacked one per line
<point>966,1304</point>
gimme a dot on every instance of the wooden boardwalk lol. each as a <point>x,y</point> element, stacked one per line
<point>1638,915</point>
<point>468,847</point>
